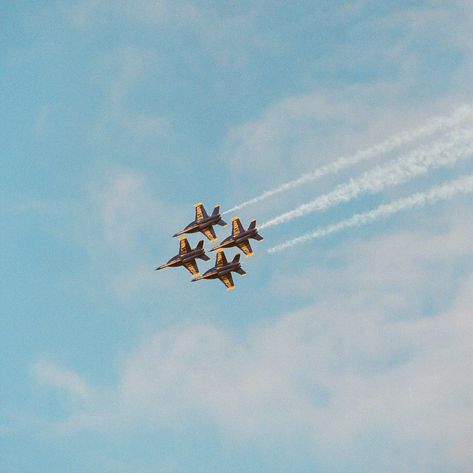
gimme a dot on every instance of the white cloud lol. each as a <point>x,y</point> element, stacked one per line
<point>125,228</point>
<point>221,32</point>
<point>365,363</point>
<point>125,206</point>
<point>398,58</point>
<point>119,75</point>
<point>50,374</point>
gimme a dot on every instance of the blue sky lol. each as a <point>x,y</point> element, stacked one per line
<point>346,354</point>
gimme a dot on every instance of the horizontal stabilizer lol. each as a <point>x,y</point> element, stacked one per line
<point>200,245</point>
<point>241,271</point>
<point>204,257</point>
<point>216,210</point>
<point>258,237</point>
<point>252,225</point>
<point>236,259</point>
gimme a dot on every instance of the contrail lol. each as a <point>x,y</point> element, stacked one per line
<point>433,125</point>
<point>457,145</point>
<point>463,185</point>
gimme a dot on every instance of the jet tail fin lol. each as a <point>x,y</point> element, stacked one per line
<point>236,259</point>
<point>216,210</point>
<point>252,225</point>
<point>200,213</point>
<point>199,246</point>
<point>237,227</point>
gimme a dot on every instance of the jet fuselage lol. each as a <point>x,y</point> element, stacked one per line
<point>217,272</point>
<point>180,260</point>
<point>240,238</point>
<point>194,226</point>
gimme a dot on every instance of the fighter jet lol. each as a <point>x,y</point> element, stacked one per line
<point>203,222</point>
<point>187,257</point>
<point>223,270</point>
<point>240,237</point>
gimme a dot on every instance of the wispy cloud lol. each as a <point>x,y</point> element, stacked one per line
<point>48,373</point>
<point>306,372</point>
<point>120,225</point>
<point>120,74</point>
<point>126,206</point>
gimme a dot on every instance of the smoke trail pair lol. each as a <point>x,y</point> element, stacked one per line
<point>463,185</point>
<point>434,125</point>
<point>457,145</point>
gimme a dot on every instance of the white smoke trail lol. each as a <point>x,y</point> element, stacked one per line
<point>432,126</point>
<point>463,185</point>
<point>457,145</point>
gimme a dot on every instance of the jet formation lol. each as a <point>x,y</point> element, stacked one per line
<point>222,269</point>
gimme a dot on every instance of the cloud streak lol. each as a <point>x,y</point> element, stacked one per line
<point>444,152</point>
<point>434,125</point>
<point>49,373</point>
<point>463,185</point>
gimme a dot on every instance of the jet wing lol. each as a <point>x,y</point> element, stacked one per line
<point>209,233</point>
<point>191,266</point>
<point>228,281</point>
<point>237,227</point>
<point>245,247</point>
<point>200,212</point>
<point>221,259</point>
<point>184,246</point>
